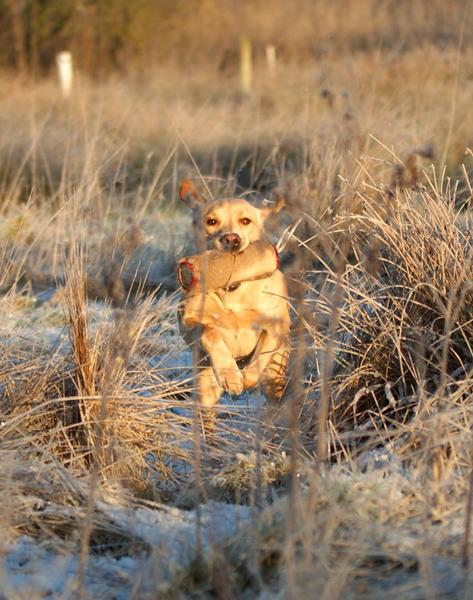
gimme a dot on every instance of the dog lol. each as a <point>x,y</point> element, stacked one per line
<point>243,330</point>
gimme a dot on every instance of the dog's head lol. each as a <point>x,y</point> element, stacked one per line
<point>229,224</point>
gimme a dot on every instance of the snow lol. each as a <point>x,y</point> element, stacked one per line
<point>171,535</point>
<point>31,570</point>
<point>171,539</point>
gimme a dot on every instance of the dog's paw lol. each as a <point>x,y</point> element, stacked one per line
<point>231,379</point>
<point>251,376</point>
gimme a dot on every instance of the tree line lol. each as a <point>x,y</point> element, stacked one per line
<point>111,35</point>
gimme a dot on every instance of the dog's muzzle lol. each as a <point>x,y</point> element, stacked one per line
<point>230,242</point>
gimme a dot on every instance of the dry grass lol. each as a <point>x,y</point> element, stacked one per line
<point>404,327</point>
<point>95,384</point>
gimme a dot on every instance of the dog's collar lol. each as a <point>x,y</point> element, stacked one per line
<point>234,286</point>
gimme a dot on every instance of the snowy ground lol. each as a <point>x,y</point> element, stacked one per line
<point>170,542</point>
<point>173,542</point>
<point>29,570</point>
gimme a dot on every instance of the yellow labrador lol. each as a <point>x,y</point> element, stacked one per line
<point>244,330</point>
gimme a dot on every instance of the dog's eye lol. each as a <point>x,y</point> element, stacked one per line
<point>245,221</point>
<point>211,221</point>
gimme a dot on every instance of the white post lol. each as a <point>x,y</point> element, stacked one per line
<point>246,65</point>
<point>65,72</point>
<point>270,51</point>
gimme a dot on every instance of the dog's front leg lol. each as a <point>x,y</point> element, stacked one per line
<point>270,350</point>
<point>207,310</point>
<point>226,371</point>
<point>208,387</point>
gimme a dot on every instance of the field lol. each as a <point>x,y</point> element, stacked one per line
<point>360,484</point>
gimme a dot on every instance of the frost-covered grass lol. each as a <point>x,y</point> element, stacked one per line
<point>112,487</point>
<point>357,485</point>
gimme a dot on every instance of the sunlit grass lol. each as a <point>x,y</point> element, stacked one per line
<point>97,404</point>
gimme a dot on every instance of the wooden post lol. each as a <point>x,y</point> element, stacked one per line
<point>16,10</point>
<point>65,72</point>
<point>270,52</point>
<point>246,65</point>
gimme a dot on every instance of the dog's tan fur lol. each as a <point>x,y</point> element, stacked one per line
<point>250,324</point>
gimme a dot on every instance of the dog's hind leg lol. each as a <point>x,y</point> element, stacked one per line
<point>268,364</point>
<point>274,377</point>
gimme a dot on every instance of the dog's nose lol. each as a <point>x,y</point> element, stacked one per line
<point>230,241</point>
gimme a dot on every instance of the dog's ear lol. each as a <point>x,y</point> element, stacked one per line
<point>189,193</point>
<point>274,208</point>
